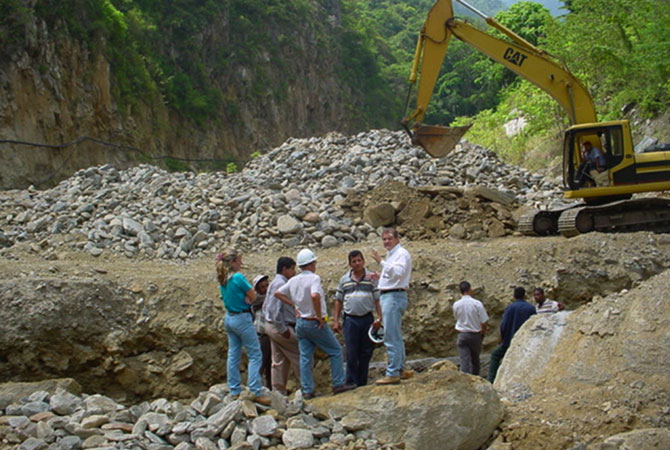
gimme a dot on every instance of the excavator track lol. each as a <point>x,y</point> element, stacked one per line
<point>575,221</point>
<point>541,222</point>
<point>643,214</point>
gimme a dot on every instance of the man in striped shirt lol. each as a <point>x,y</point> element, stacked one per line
<point>357,293</point>
<point>544,305</point>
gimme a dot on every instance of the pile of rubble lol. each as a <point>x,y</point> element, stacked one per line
<point>212,421</point>
<point>305,192</point>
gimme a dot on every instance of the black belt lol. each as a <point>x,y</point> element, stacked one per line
<point>364,315</point>
<point>386,291</point>
<point>236,313</point>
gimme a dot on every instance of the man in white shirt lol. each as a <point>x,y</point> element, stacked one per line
<point>305,292</point>
<point>471,322</point>
<point>393,286</point>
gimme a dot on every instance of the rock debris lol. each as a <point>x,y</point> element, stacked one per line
<point>306,192</point>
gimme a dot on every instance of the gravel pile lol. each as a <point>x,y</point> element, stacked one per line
<point>213,421</point>
<point>288,197</point>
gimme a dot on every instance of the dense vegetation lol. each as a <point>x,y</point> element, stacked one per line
<point>187,52</point>
<point>620,49</point>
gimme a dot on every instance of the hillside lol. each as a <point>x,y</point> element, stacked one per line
<point>194,86</point>
<point>202,86</point>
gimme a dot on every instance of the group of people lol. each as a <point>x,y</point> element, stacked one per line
<point>472,321</point>
<point>281,322</point>
<point>288,316</point>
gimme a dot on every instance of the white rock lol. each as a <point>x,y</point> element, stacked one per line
<point>298,438</point>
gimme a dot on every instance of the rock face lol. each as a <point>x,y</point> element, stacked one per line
<point>606,363</point>
<point>442,409</point>
<point>117,340</point>
<point>56,88</point>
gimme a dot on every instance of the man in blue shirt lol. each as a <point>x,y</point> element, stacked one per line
<point>515,315</point>
<point>592,159</point>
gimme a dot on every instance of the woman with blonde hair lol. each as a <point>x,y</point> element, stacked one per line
<point>237,295</point>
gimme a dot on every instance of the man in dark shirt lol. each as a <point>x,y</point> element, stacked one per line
<point>515,315</point>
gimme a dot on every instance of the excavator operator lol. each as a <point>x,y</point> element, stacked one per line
<point>592,159</point>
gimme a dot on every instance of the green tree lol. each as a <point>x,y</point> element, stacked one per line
<point>620,49</point>
<point>471,82</point>
<point>527,19</point>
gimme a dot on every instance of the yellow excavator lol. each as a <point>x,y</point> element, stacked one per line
<point>606,192</point>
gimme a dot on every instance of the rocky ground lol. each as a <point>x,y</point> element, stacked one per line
<point>566,396</point>
<point>108,278</point>
<point>305,192</point>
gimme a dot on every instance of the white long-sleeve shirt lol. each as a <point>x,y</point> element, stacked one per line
<point>396,269</point>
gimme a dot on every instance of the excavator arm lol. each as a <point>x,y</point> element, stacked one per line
<point>516,54</point>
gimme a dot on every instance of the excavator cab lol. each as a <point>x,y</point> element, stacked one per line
<point>610,139</point>
<point>574,159</point>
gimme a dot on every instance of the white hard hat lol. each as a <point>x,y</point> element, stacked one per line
<point>376,335</point>
<point>305,256</point>
<point>258,279</point>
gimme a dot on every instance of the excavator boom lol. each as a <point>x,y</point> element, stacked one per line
<point>623,173</point>
<point>516,54</point>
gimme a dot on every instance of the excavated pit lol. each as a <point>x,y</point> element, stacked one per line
<point>146,329</point>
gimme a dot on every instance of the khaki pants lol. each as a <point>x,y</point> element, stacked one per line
<point>285,354</point>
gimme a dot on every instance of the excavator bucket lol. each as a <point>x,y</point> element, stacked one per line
<point>437,140</point>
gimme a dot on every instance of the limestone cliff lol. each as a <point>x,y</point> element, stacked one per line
<point>56,87</point>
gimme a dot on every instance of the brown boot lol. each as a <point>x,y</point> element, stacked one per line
<point>406,374</point>
<point>343,388</point>
<point>388,380</point>
<point>263,400</point>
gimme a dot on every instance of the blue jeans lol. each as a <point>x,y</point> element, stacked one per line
<point>394,305</point>
<point>242,333</point>
<point>309,337</point>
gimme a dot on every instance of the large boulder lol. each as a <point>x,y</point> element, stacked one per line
<point>443,409</point>
<point>646,439</point>
<point>625,334</point>
<point>379,215</point>
<point>580,377</point>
